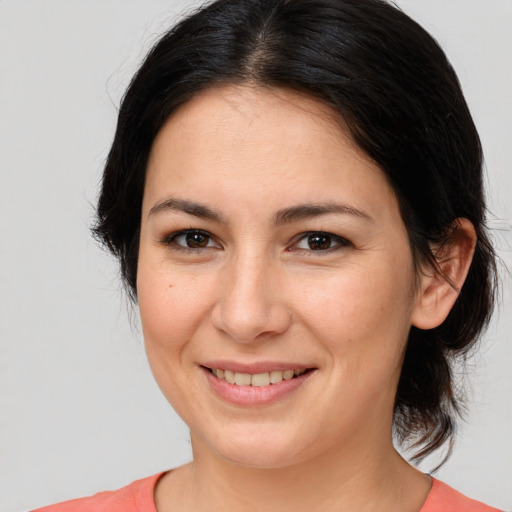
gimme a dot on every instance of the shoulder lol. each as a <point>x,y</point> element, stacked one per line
<point>443,498</point>
<point>136,497</point>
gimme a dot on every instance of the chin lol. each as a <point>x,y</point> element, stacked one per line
<point>263,450</point>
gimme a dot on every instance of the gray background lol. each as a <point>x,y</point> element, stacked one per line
<point>79,411</point>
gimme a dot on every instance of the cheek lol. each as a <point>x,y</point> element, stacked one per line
<point>172,309</point>
<point>362,315</point>
<point>171,306</point>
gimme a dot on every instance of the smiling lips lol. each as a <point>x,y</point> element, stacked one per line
<point>256,379</point>
<point>255,384</point>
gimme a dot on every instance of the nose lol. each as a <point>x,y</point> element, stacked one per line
<point>251,305</point>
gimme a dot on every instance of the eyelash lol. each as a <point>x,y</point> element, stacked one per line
<point>339,241</point>
<point>170,240</point>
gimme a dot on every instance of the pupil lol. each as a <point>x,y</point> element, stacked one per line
<point>196,240</point>
<point>319,242</point>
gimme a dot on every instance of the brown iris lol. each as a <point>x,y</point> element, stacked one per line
<point>319,242</point>
<point>197,240</point>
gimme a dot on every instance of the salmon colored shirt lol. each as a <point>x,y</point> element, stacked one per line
<point>138,497</point>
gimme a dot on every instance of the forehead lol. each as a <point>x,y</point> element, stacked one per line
<point>252,101</point>
<point>245,116</point>
<point>274,143</point>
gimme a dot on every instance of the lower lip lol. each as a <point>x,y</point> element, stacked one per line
<point>254,395</point>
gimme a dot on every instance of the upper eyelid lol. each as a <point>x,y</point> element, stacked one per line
<point>343,241</point>
<point>305,234</point>
<point>169,238</point>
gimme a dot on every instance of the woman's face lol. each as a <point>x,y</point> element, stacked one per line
<point>270,243</point>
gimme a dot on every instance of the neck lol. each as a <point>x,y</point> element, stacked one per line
<point>362,478</point>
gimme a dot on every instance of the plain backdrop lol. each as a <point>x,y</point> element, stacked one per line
<point>79,411</point>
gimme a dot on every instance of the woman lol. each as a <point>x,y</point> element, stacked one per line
<point>294,194</point>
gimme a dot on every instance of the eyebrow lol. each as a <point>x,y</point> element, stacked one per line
<point>283,216</point>
<point>180,205</point>
<point>305,211</point>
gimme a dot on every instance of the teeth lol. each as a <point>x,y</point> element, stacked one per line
<point>242,379</point>
<point>288,374</point>
<point>276,377</point>
<point>258,379</point>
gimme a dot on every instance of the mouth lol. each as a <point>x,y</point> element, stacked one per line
<point>258,379</point>
<point>256,384</point>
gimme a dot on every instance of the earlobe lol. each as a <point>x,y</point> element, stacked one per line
<point>439,287</point>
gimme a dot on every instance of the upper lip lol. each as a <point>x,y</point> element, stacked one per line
<point>255,367</point>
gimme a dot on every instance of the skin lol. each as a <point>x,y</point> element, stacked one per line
<point>258,292</point>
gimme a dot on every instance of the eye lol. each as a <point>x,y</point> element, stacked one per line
<point>191,239</point>
<point>319,241</point>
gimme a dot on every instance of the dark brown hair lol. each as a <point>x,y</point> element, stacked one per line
<point>402,104</point>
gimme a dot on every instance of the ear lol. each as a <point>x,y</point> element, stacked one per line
<point>440,287</point>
